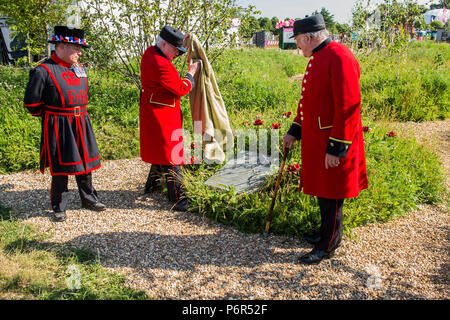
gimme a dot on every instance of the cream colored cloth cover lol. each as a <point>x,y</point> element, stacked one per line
<point>207,106</point>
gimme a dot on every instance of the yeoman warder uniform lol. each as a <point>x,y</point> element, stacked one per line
<point>161,117</point>
<point>328,121</point>
<point>58,93</point>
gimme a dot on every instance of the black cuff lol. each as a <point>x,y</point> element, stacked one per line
<point>296,131</point>
<point>338,148</point>
<point>191,79</point>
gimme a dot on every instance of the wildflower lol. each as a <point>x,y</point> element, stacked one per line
<point>391,134</point>
<point>258,122</point>
<point>366,129</point>
<point>193,160</point>
<point>246,123</point>
<point>276,125</point>
<point>293,167</point>
<point>287,114</point>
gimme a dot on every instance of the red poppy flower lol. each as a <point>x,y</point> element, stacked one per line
<point>293,167</point>
<point>287,114</point>
<point>258,122</point>
<point>391,134</point>
<point>193,160</point>
<point>366,129</point>
<point>276,125</point>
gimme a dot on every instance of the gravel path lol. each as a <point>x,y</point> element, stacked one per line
<point>175,255</point>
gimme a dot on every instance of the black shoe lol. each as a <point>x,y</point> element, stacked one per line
<point>182,205</point>
<point>97,206</point>
<point>60,216</point>
<point>315,256</point>
<point>152,189</point>
<point>313,239</point>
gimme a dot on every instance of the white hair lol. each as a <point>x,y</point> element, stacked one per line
<point>159,41</point>
<point>319,34</point>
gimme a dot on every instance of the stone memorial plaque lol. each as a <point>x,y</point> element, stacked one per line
<point>245,173</point>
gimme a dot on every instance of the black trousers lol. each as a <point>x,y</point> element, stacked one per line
<point>59,196</point>
<point>172,175</point>
<point>331,223</point>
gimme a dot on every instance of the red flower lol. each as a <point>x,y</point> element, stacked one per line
<point>258,122</point>
<point>287,114</point>
<point>193,160</point>
<point>293,167</point>
<point>366,129</point>
<point>246,123</point>
<point>276,125</point>
<point>391,134</point>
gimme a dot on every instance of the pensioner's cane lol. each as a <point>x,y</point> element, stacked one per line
<point>277,185</point>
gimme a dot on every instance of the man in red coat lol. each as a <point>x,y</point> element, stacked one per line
<point>328,122</point>
<point>160,113</point>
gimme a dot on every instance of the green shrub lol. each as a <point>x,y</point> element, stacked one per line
<point>254,83</point>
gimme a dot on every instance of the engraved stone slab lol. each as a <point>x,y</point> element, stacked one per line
<point>245,173</point>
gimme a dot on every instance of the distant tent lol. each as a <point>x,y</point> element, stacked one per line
<point>442,15</point>
<point>9,46</point>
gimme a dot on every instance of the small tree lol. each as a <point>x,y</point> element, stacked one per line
<point>121,30</point>
<point>32,20</point>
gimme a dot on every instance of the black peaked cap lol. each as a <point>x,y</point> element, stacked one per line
<point>309,24</point>
<point>174,37</point>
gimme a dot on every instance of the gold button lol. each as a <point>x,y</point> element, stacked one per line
<point>306,73</point>
<point>332,144</point>
<point>303,89</point>
<point>301,118</point>
<point>310,65</point>
<point>301,113</point>
<point>304,81</point>
<point>301,105</point>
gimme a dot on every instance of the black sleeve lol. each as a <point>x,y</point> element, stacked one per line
<point>338,148</point>
<point>33,93</point>
<point>295,130</point>
<point>191,80</point>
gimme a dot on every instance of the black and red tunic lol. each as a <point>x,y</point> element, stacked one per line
<point>59,96</point>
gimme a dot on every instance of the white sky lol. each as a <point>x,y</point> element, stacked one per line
<point>341,9</point>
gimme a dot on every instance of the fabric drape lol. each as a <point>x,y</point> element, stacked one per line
<point>208,106</point>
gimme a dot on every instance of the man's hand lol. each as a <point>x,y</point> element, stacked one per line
<point>288,141</point>
<point>186,39</point>
<point>331,161</point>
<point>193,67</point>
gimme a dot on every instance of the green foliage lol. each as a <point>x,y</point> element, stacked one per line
<point>390,92</point>
<point>121,30</point>
<point>402,174</point>
<point>31,19</point>
<point>254,83</point>
<point>34,269</point>
<point>436,24</point>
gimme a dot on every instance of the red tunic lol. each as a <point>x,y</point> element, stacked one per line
<point>160,114</point>
<point>330,120</point>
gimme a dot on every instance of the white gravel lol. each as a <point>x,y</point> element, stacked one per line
<point>176,255</point>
